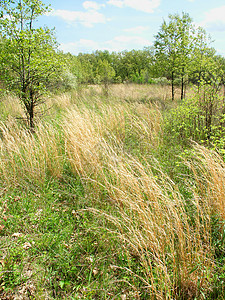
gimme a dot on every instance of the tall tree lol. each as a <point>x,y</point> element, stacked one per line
<point>28,54</point>
<point>174,46</point>
<point>105,73</point>
<point>204,62</point>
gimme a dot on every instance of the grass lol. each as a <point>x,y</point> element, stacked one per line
<point>89,209</point>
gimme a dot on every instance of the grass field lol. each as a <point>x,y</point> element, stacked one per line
<point>104,201</point>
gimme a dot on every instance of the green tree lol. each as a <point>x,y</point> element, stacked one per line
<point>208,74</point>
<point>174,47</point>
<point>221,62</point>
<point>28,54</point>
<point>203,62</point>
<point>105,73</point>
<point>85,68</point>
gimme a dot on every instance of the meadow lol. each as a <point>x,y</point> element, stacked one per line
<point>113,197</point>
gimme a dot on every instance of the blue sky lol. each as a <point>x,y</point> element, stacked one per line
<point>116,25</point>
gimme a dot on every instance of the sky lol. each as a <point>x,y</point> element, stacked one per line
<point>117,25</point>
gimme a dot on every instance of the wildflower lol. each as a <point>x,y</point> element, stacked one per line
<point>17,234</point>
<point>27,245</point>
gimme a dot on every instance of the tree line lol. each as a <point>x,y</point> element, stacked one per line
<point>181,54</point>
<point>32,65</point>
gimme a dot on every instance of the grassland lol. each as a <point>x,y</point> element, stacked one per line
<point>104,201</point>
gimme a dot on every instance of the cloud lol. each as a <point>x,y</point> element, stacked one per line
<point>214,19</point>
<point>142,5</point>
<point>124,42</point>
<point>92,5</point>
<point>137,30</point>
<point>80,46</point>
<point>117,44</point>
<point>221,52</point>
<point>86,18</point>
<point>118,3</point>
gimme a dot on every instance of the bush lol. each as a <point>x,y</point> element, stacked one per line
<point>200,118</point>
<point>159,80</point>
<point>185,122</point>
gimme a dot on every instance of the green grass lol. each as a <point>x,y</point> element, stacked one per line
<point>53,248</point>
<point>50,248</point>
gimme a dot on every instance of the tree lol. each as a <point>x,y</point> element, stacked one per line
<point>28,55</point>
<point>105,73</point>
<point>174,46</point>
<point>85,68</point>
<point>221,62</point>
<point>203,63</point>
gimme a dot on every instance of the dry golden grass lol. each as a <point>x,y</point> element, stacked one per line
<point>58,102</point>
<point>82,137</point>
<point>120,92</point>
<point>29,157</point>
<point>174,252</point>
<point>90,132</point>
<point>137,92</point>
<point>11,106</point>
<point>155,228</point>
<point>209,172</point>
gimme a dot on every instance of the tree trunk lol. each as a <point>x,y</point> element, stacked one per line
<point>31,111</point>
<point>182,85</point>
<point>209,116</point>
<point>172,79</point>
<point>106,88</point>
<point>31,119</point>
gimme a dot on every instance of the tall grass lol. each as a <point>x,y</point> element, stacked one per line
<point>172,247</point>
<point>27,157</point>
<point>166,235</point>
<point>116,128</point>
<point>174,252</point>
<point>143,93</point>
<point>10,106</point>
<point>208,170</point>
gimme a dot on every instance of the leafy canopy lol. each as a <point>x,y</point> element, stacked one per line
<point>29,60</point>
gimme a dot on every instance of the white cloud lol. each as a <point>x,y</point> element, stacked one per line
<point>124,42</point>
<point>137,30</point>
<point>118,3</point>
<point>119,43</point>
<point>92,5</point>
<point>221,52</point>
<point>214,19</point>
<point>81,46</point>
<point>143,5</point>
<point>87,18</point>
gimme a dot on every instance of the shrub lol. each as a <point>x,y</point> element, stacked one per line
<point>185,123</point>
<point>159,80</point>
<point>198,118</point>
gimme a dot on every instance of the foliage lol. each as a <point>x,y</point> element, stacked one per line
<point>132,66</point>
<point>197,118</point>
<point>181,53</point>
<point>28,58</point>
<point>186,123</point>
<point>160,80</point>
<point>174,46</point>
<point>104,74</point>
